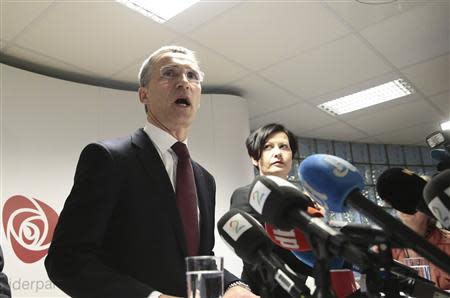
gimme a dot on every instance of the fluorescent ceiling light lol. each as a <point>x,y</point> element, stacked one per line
<point>366,98</point>
<point>445,125</point>
<point>159,11</point>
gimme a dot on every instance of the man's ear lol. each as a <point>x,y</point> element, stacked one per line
<point>143,95</point>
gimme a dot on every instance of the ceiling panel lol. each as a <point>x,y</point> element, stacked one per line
<point>263,96</point>
<point>92,35</point>
<point>330,67</point>
<point>416,35</point>
<point>414,135</point>
<point>360,15</point>
<point>431,77</point>
<point>285,57</point>
<point>218,69</point>
<point>396,118</point>
<point>442,101</point>
<point>17,15</point>
<point>257,34</point>
<point>198,14</point>
<point>298,118</point>
<point>336,131</point>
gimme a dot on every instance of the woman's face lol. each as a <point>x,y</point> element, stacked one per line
<point>276,156</point>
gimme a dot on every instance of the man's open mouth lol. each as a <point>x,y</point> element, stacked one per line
<point>183,102</point>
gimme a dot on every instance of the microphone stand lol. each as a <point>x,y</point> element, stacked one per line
<point>321,269</point>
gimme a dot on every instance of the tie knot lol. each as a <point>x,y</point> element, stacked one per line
<point>181,150</point>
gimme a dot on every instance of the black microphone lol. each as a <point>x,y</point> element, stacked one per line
<point>338,183</point>
<point>437,196</point>
<point>407,279</point>
<point>248,239</point>
<point>282,204</point>
<point>403,190</point>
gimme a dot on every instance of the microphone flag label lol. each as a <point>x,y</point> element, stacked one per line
<point>440,211</point>
<point>258,196</point>
<point>236,226</point>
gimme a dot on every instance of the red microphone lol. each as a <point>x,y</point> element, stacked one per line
<point>342,280</point>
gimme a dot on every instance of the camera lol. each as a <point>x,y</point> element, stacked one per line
<point>439,143</point>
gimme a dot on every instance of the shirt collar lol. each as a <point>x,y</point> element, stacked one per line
<point>161,138</point>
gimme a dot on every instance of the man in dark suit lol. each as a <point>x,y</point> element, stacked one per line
<point>121,232</point>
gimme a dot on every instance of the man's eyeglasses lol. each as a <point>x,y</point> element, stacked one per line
<point>173,71</point>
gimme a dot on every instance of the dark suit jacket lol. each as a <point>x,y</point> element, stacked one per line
<point>120,233</point>
<point>250,274</point>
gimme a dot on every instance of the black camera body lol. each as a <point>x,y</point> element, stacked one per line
<point>439,143</point>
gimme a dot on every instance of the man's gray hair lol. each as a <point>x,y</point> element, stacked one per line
<point>146,68</point>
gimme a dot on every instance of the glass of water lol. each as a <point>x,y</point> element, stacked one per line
<point>204,276</point>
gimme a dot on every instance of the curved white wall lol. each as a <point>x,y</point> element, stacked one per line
<point>46,122</point>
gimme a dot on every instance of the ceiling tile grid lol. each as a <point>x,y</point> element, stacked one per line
<point>17,15</point>
<point>395,118</point>
<point>257,34</point>
<point>330,67</point>
<point>416,35</point>
<point>299,118</point>
<point>264,96</point>
<point>92,35</point>
<point>431,77</point>
<point>283,57</point>
<point>336,131</point>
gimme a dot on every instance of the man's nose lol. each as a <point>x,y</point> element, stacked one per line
<point>182,81</point>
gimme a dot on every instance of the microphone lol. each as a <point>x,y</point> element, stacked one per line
<point>297,242</point>
<point>342,279</point>
<point>292,239</point>
<point>282,204</point>
<point>403,190</point>
<point>338,183</point>
<point>437,196</point>
<point>443,158</point>
<point>247,238</point>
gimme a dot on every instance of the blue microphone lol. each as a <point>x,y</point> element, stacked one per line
<point>440,155</point>
<point>307,257</point>
<point>333,174</point>
<point>337,183</point>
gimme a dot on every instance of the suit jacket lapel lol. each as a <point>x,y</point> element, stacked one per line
<point>150,159</point>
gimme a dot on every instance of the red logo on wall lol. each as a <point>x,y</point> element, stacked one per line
<point>29,225</point>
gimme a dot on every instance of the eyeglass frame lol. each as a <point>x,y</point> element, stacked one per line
<point>200,74</point>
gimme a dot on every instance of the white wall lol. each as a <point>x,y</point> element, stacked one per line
<point>46,122</point>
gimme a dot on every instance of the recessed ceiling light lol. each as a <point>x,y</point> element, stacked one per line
<point>445,125</point>
<point>159,11</point>
<point>366,98</point>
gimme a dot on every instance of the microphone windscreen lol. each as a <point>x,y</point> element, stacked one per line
<point>244,235</point>
<point>440,155</point>
<point>273,197</point>
<point>437,196</point>
<point>402,189</point>
<point>329,179</point>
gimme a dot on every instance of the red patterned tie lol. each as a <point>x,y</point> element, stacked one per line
<point>186,194</point>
